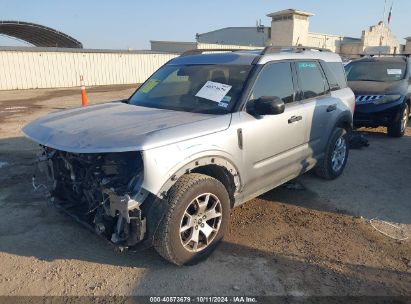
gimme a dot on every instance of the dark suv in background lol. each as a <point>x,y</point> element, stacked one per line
<point>382,88</point>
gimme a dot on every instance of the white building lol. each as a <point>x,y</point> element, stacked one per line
<point>256,36</point>
<point>407,47</point>
<point>291,27</point>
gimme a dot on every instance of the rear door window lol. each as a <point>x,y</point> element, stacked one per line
<point>311,79</point>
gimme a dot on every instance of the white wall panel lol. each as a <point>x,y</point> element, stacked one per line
<point>48,69</point>
<point>227,46</point>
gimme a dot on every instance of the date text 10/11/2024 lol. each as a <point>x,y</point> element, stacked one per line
<point>199,299</point>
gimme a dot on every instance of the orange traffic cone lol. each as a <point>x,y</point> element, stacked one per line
<point>83,92</point>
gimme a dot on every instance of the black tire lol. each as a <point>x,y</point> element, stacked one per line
<point>324,168</point>
<point>397,129</point>
<point>168,241</point>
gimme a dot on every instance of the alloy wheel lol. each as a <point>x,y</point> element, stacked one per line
<point>201,222</point>
<point>339,154</point>
<point>404,119</point>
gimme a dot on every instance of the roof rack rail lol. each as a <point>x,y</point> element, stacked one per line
<point>200,51</point>
<point>385,54</point>
<point>295,49</point>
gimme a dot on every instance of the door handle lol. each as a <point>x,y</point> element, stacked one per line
<point>332,108</point>
<point>293,119</point>
<point>240,138</point>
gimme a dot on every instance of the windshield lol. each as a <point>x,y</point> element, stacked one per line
<point>375,71</point>
<point>210,89</point>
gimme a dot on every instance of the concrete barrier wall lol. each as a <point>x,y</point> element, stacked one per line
<point>31,68</point>
<point>226,46</point>
<point>181,46</point>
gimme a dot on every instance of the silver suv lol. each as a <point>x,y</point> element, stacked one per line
<point>204,134</point>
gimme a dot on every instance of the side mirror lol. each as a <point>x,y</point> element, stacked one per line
<point>334,87</point>
<point>266,105</point>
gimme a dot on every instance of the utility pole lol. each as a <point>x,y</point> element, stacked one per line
<point>383,23</point>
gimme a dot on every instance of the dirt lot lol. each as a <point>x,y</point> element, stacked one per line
<point>313,241</point>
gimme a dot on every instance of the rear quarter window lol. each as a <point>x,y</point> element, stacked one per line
<point>335,73</point>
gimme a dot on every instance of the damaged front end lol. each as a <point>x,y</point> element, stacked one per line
<point>100,190</point>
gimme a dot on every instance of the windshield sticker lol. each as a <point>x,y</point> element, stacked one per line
<point>223,105</point>
<point>149,85</point>
<point>214,91</point>
<point>226,98</point>
<point>305,65</point>
<point>394,71</point>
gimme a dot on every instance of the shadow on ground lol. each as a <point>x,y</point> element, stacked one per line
<point>243,264</point>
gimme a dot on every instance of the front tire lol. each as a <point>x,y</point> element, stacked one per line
<point>196,220</point>
<point>336,155</point>
<point>397,128</point>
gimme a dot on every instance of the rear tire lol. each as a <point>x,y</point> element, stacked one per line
<point>397,128</point>
<point>196,220</point>
<point>336,155</point>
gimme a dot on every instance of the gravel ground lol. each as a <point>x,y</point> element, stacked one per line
<point>313,240</point>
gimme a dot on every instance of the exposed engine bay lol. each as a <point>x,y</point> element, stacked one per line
<point>102,190</point>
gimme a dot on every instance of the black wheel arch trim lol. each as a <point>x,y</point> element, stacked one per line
<point>154,209</point>
<point>344,120</point>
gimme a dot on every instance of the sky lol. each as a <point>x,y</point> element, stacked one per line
<point>124,24</point>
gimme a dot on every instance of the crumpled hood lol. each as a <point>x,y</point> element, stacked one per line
<point>378,88</point>
<point>119,127</point>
